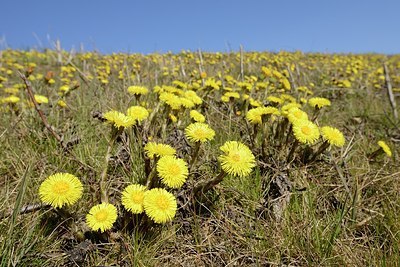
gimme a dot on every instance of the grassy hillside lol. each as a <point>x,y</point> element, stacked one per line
<point>293,194</point>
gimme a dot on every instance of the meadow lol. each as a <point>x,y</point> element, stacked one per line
<point>197,158</point>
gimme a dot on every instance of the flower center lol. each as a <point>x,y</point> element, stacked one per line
<point>235,157</point>
<point>162,203</point>
<point>101,216</point>
<point>297,114</point>
<point>137,198</point>
<point>61,187</point>
<point>306,130</point>
<point>200,133</point>
<point>174,169</point>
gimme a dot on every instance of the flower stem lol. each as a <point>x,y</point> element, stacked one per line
<point>194,155</point>
<point>103,183</point>
<point>321,149</point>
<point>199,190</point>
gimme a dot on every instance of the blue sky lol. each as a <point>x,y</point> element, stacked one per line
<point>147,26</point>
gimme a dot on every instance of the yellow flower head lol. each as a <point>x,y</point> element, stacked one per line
<point>254,115</point>
<point>333,136</point>
<point>238,159</point>
<point>319,102</point>
<point>275,99</point>
<point>40,99</point>
<point>102,217</point>
<point>199,132</point>
<point>153,149</point>
<point>60,189</point>
<point>172,171</point>
<point>61,103</point>
<point>305,131</point>
<point>138,113</point>
<point>230,96</point>
<point>191,95</point>
<point>10,99</point>
<point>160,205</point>
<point>385,148</point>
<point>132,198</point>
<point>137,90</point>
<point>197,116</point>
<point>171,100</point>
<point>187,103</point>
<point>119,119</point>
<point>295,114</point>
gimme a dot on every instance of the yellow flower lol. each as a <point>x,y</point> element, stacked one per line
<point>385,148</point>
<point>171,100</point>
<point>102,217</point>
<point>333,136</point>
<point>61,103</point>
<point>275,99</point>
<point>238,159</point>
<point>137,90</point>
<point>295,114</point>
<point>119,119</point>
<point>160,205</point>
<point>132,198</point>
<point>197,116</point>
<point>60,189</point>
<point>254,115</point>
<point>230,95</point>
<point>199,132</point>
<point>138,113</point>
<point>172,171</point>
<point>187,103</point>
<point>153,149</point>
<point>319,102</point>
<point>10,99</point>
<point>305,131</point>
<point>191,95</point>
<point>40,99</point>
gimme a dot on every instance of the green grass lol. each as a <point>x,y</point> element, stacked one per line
<point>343,210</point>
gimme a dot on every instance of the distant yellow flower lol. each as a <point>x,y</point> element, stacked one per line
<point>333,136</point>
<point>319,102</point>
<point>199,132</point>
<point>171,100</point>
<point>60,189</point>
<point>191,95</point>
<point>154,149</point>
<point>102,217</point>
<point>238,159</point>
<point>385,148</point>
<point>197,116</point>
<point>61,103</point>
<point>10,99</point>
<point>172,171</point>
<point>230,95</point>
<point>160,205</point>
<point>119,119</point>
<point>187,103</point>
<point>132,198</point>
<point>137,90</point>
<point>254,115</point>
<point>275,99</point>
<point>305,131</point>
<point>138,113</point>
<point>40,99</point>
<point>295,114</point>
<point>12,91</point>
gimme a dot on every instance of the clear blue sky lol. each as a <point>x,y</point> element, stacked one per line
<point>221,25</point>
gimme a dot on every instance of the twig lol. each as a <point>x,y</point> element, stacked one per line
<point>38,110</point>
<point>390,91</point>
